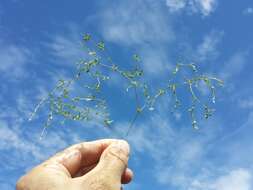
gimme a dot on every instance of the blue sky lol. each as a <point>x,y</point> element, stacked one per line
<point>39,42</point>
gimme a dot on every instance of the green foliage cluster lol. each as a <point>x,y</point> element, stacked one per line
<point>97,66</point>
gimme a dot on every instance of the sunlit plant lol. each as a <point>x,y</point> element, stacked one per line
<point>97,67</point>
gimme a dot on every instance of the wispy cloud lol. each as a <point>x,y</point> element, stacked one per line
<point>204,7</point>
<point>248,11</point>
<point>148,25</point>
<point>148,32</point>
<point>29,150</point>
<point>10,140</point>
<point>176,5</point>
<point>155,60</point>
<point>237,179</point>
<point>234,65</point>
<point>13,60</point>
<point>65,47</point>
<point>208,49</point>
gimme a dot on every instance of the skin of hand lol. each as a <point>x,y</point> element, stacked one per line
<point>96,165</point>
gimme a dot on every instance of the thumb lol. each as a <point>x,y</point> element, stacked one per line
<point>114,160</point>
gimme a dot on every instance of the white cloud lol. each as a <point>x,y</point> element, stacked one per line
<point>66,48</point>
<point>234,65</point>
<point>13,60</point>
<point>30,150</point>
<point>248,11</point>
<point>239,179</point>
<point>148,25</point>
<point>205,7</point>
<point>176,5</point>
<point>148,32</point>
<point>154,60</point>
<point>208,48</point>
<point>11,140</point>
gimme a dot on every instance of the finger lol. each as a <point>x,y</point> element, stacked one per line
<point>113,161</point>
<point>81,155</point>
<point>127,176</point>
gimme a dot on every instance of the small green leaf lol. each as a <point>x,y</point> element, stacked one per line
<point>86,37</point>
<point>108,122</point>
<point>173,88</point>
<point>136,58</point>
<point>101,46</point>
<point>77,117</point>
<point>161,92</point>
<point>65,93</point>
<point>138,110</point>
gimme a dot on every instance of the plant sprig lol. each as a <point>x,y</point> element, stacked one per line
<point>97,67</point>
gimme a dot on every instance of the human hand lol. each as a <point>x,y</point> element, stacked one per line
<point>96,165</point>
